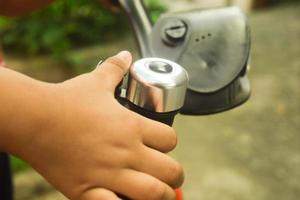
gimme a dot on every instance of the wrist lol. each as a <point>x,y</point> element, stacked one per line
<point>40,114</point>
<point>24,112</point>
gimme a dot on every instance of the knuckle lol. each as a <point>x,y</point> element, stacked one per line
<point>139,122</point>
<point>156,191</point>
<point>134,123</point>
<point>172,139</point>
<point>133,126</point>
<point>128,159</point>
<point>95,195</point>
<point>117,62</point>
<point>175,175</point>
<point>103,79</point>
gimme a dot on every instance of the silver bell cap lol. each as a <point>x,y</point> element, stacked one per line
<point>157,85</point>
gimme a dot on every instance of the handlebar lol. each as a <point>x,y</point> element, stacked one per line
<point>141,22</point>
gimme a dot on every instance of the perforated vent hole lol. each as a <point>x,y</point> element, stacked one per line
<point>203,37</point>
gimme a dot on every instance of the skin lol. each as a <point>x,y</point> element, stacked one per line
<point>85,143</point>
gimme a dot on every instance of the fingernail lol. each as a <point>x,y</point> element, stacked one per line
<point>125,55</point>
<point>99,63</point>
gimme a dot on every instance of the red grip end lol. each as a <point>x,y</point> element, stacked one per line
<point>179,194</point>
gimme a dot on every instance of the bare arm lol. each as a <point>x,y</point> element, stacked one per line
<point>18,98</point>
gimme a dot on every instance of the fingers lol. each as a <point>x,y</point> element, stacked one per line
<point>137,185</point>
<point>99,194</point>
<point>158,136</point>
<point>160,166</point>
<point>114,68</point>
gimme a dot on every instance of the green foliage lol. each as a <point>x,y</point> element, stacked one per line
<point>156,8</point>
<point>65,25</point>
<point>18,165</point>
<point>62,26</point>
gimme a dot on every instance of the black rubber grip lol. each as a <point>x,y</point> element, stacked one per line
<point>166,118</point>
<point>6,186</point>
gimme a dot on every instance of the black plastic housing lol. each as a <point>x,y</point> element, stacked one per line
<point>166,118</point>
<point>6,186</point>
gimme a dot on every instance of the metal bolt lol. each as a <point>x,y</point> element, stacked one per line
<point>160,67</point>
<point>175,30</point>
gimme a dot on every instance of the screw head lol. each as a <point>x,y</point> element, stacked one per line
<point>175,30</point>
<point>160,67</point>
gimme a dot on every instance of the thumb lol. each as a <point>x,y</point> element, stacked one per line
<point>114,68</point>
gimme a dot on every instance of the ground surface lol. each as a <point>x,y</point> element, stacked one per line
<point>252,152</point>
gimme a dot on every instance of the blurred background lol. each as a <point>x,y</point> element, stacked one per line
<point>251,152</point>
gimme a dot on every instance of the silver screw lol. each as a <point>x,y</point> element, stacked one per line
<point>175,30</point>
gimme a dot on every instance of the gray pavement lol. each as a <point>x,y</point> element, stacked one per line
<point>252,152</point>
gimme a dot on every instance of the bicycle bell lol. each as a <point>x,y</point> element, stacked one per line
<point>157,88</point>
<point>212,45</point>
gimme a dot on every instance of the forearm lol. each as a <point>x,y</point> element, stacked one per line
<point>22,110</point>
<point>20,7</point>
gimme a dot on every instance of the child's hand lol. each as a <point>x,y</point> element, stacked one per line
<point>92,148</point>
